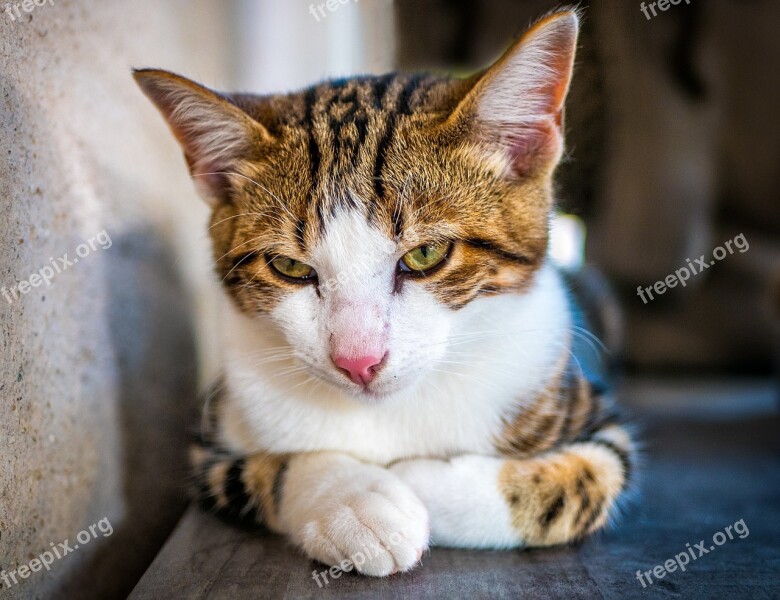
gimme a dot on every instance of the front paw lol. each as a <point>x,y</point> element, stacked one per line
<point>380,529</point>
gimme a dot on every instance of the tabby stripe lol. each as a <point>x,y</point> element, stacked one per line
<point>538,437</point>
<point>405,98</point>
<point>495,249</point>
<point>622,455</point>
<point>300,233</point>
<point>380,90</point>
<point>537,428</point>
<point>582,406</point>
<point>314,150</point>
<point>518,440</point>
<point>348,97</point>
<point>234,489</point>
<point>572,386</point>
<point>361,125</point>
<point>278,485</point>
<point>463,289</point>
<point>592,423</point>
<point>347,200</point>
<point>206,497</point>
<point>594,514</point>
<point>320,217</point>
<point>582,492</point>
<point>555,508</point>
<point>379,162</point>
<point>489,289</point>
<point>246,259</point>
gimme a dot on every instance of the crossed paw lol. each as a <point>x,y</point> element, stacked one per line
<point>381,528</point>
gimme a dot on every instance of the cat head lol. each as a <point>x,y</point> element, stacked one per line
<point>362,215</point>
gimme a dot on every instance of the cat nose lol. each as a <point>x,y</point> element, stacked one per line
<point>362,369</point>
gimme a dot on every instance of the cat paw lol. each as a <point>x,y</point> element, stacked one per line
<point>381,529</point>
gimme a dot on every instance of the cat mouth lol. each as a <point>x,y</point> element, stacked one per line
<point>378,390</point>
<point>373,391</point>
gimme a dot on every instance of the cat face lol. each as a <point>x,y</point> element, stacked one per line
<point>362,216</point>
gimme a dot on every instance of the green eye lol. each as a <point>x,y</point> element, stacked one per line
<point>289,267</point>
<point>425,257</point>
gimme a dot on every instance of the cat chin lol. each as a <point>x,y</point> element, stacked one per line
<point>370,397</point>
<point>381,395</point>
<point>378,392</point>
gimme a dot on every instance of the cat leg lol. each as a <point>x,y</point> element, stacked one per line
<point>333,506</point>
<point>553,498</point>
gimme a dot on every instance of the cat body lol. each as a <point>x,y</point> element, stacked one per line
<point>399,350</point>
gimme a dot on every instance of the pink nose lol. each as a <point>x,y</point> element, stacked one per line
<point>361,370</point>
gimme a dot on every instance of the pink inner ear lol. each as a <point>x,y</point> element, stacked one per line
<point>558,40</point>
<point>533,145</point>
<point>556,92</point>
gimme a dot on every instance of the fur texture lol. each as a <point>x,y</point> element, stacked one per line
<point>462,416</point>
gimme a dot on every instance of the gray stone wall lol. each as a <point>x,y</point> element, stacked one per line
<point>98,362</point>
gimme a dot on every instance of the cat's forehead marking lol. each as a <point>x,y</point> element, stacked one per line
<point>348,100</point>
<point>352,247</point>
<point>350,124</point>
<point>355,135</point>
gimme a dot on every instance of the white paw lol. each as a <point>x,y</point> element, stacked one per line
<point>380,527</point>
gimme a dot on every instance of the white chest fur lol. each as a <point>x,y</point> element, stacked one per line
<point>503,350</point>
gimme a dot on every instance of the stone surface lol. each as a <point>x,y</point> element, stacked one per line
<point>98,369</point>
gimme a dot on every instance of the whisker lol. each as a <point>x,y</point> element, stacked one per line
<point>249,214</point>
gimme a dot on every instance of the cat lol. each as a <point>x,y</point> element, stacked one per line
<point>399,366</point>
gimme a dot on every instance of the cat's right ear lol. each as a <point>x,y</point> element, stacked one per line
<point>214,133</point>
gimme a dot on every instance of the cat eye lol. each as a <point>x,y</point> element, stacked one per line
<point>293,269</point>
<point>424,258</point>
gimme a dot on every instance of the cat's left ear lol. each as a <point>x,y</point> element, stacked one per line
<point>516,105</point>
<point>213,132</point>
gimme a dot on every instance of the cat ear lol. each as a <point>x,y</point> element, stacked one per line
<point>517,103</point>
<point>213,133</point>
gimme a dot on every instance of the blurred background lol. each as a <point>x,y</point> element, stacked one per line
<point>673,146</point>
